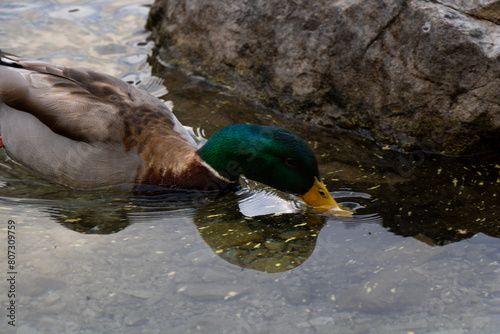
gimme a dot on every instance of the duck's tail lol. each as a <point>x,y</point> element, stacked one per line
<point>9,59</point>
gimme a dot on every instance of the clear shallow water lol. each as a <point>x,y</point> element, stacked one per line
<point>252,262</point>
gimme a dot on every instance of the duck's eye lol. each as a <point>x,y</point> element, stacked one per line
<point>290,162</point>
<point>322,193</point>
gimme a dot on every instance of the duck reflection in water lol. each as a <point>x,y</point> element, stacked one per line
<point>273,242</point>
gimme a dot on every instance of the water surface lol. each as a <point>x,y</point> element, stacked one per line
<point>421,254</point>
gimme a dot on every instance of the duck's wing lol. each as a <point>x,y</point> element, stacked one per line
<point>79,104</point>
<point>80,127</point>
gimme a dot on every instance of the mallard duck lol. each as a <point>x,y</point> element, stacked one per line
<point>86,129</point>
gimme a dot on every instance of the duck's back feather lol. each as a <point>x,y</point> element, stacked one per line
<point>70,101</point>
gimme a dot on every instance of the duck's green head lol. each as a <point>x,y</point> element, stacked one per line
<point>272,156</point>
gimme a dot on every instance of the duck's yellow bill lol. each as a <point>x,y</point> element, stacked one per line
<point>319,198</point>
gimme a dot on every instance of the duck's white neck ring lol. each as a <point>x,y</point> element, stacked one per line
<point>216,173</point>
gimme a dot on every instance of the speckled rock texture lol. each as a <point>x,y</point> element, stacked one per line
<point>414,74</point>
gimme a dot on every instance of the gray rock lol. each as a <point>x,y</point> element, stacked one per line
<point>410,73</point>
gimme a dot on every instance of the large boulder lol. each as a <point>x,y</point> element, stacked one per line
<point>409,73</point>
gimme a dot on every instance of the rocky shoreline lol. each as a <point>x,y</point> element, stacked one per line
<point>413,74</point>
